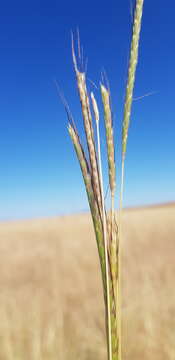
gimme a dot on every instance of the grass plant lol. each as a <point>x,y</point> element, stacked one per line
<point>107,229</point>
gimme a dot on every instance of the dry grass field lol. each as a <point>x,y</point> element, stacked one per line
<point>51,303</point>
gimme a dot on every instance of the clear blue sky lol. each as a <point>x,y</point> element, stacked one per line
<point>40,175</point>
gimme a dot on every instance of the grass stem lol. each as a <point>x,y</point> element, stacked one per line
<point>96,114</point>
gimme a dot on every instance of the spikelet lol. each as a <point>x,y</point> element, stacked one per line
<point>131,73</point>
<point>109,137</point>
<point>87,118</point>
<point>82,160</point>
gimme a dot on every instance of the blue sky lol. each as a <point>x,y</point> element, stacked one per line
<point>40,175</point>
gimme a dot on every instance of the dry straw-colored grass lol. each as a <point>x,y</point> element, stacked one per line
<point>51,300</point>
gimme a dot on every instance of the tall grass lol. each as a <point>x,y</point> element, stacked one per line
<point>106,227</point>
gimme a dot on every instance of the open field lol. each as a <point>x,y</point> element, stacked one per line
<point>51,303</point>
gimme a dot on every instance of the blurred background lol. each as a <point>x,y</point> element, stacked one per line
<point>51,301</point>
<point>37,160</point>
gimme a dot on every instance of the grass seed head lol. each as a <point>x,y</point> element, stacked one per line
<point>109,137</point>
<point>131,72</point>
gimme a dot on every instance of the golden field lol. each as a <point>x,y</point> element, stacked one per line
<point>51,302</point>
